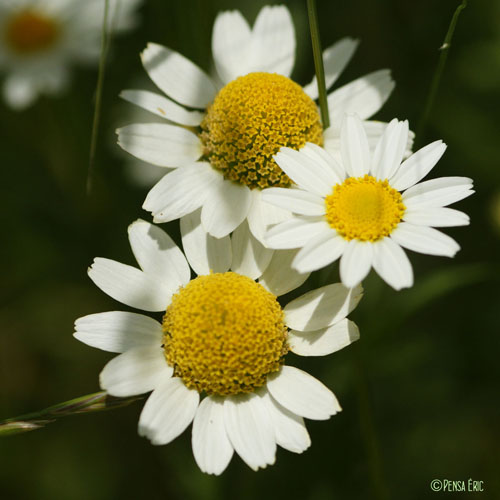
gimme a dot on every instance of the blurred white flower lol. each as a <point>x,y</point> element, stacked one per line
<point>217,359</point>
<point>41,39</point>
<point>223,139</point>
<point>354,209</point>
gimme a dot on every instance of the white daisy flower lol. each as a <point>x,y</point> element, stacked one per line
<point>217,358</point>
<point>367,207</point>
<point>223,145</point>
<point>41,39</point>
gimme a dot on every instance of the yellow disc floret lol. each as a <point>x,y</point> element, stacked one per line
<point>363,208</point>
<point>250,119</point>
<point>224,333</point>
<point>30,31</point>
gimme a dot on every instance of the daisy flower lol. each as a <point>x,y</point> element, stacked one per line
<point>222,132</point>
<point>368,206</point>
<point>42,38</point>
<point>217,359</point>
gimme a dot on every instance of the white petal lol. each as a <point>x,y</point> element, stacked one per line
<point>295,200</point>
<point>325,165</point>
<point>436,217</point>
<point>181,192</point>
<point>273,39</point>
<point>417,166</point>
<point>204,252</point>
<point>226,208</point>
<point>212,449</point>
<point>177,76</point>
<point>390,150</point>
<point>374,131</point>
<point>136,371</point>
<point>322,307</point>
<point>250,257</point>
<point>354,147</point>
<point>168,411</point>
<point>249,429</point>
<point>392,264</point>
<point>289,429</point>
<point>296,232</point>
<point>303,171</point>
<point>261,215</point>
<point>118,331</point>
<point>161,144</point>
<point>364,96</point>
<point>319,251</point>
<point>312,171</point>
<point>438,192</point>
<point>158,255</point>
<point>356,262</point>
<point>324,341</point>
<point>331,143</point>
<point>279,277</point>
<point>424,240</point>
<point>161,106</point>
<point>231,44</point>
<point>302,394</point>
<point>129,285</point>
<point>335,59</point>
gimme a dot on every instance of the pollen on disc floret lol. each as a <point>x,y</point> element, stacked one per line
<point>224,333</point>
<point>364,208</point>
<point>30,31</point>
<point>250,119</point>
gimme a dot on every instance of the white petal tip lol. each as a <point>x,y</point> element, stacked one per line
<point>352,284</point>
<point>308,267</point>
<point>217,233</point>
<point>137,221</point>
<point>402,286</point>
<point>143,430</point>
<point>149,46</point>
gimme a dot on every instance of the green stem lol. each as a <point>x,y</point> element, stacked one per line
<point>89,403</point>
<point>318,62</point>
<point>436,80</point>
<point>105,38</point>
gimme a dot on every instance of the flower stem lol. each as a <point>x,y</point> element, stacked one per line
<point>318,62</point>
<point>439,71</point>
<point>89,403</point>
<point>105,39</point>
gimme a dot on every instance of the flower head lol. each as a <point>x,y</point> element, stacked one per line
<point>218,358</point>
<point>222,146</point>
<point>367,206</point>
<point>40,40</point>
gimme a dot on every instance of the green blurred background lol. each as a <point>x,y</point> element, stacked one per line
<point>419,391</point>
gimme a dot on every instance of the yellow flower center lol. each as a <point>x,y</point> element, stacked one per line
<point>250,119</point>
<point>224,333</point>
<point>363,208</point>
<point>30,31</point>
